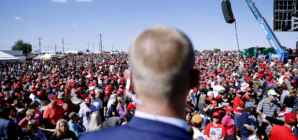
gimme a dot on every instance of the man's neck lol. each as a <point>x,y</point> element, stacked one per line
<point>270,101</point>
<point>197,128</point>
<point>288,125</point>
<point>173,109</point>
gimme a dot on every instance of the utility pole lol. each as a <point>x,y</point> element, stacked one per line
<point>63,44</point>
<point>100,44</point>
<point>55,48</point>
<point>39,46</point>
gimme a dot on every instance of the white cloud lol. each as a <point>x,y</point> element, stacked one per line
<point>61,1</point>
<point>17,18</point>
<point>74,25</point>
<point>84,0</point>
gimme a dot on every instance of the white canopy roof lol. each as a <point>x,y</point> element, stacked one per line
<point>46,56</point>
<point>6,57</point>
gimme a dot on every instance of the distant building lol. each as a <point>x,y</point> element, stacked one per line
<point>115,52</point>
<point>74,52</point>
<point>46,52</point>
<point>13,53</point>
<point>17,54</point>
<point>4,58</point>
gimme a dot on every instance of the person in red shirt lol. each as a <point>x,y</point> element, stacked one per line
<point>284,132</point>
<point>248,93</point>
<point>238,108</point>
<point>52,114</point>
<point>215,130</point>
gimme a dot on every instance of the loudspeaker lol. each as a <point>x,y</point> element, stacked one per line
<point>227,11</point>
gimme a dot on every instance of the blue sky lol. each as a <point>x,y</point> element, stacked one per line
<point>81,21</point>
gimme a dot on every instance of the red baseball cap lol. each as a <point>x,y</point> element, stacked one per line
<point>92,92</point>
<point>131,106</point>
<point>248,89</point>
<point>293,81</point>
<point>87,100</point>
<point>216,114</point>
<point>73,84</point>
<point>291,118</point>
<point>107,92</point>
<point>225,82</point>
<point>33,89</point>
<point>229,109</point>
<point>122,80</point>
<point>39,93</point>
<point>208,83</point>
<point>119,92</point>
<point>285,77</point>
<point>232,81</point>
<point>76,90</point>
<point>282,70</point>
<point>53,97</point>
<point>239,91</point>
<point>268,77</point>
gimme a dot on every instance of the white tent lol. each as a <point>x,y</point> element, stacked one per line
<point>37,57</point>
<point>4,57</point>
<point>46,56</point>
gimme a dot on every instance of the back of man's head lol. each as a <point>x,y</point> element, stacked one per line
<point>161,60</point>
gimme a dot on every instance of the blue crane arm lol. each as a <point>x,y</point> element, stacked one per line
<point>273,41</point>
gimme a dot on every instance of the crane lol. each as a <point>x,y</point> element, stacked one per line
<point>280,52</point>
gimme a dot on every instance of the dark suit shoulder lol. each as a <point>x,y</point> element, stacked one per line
<point>140,129</point>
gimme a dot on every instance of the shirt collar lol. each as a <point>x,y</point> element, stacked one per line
<point>169,120</point>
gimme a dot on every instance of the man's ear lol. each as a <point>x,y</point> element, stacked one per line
<point>194,78</point>
<point>127,74</point>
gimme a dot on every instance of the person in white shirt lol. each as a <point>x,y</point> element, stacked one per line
<point>197,121</point>
<point>96,102</point>
<point>217,89</point>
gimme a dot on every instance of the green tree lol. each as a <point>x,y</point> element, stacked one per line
<point>87,50</point>
<point>22,46</point>
<point>216,50</point>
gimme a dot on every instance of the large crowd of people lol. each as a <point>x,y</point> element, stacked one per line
<point>66,98</point>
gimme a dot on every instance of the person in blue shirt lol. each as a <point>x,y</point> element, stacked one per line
<point>296,76</point>
<point>249,121</point>
<point>74,126</point>
<point>8,129</point>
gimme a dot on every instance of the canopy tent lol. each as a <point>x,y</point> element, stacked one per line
<point>4,57</point>
<point>46,56</point>
<point>7,57</point>
<point>37,57</point>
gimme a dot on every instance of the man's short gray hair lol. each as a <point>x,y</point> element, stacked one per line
<point>161,59</point>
